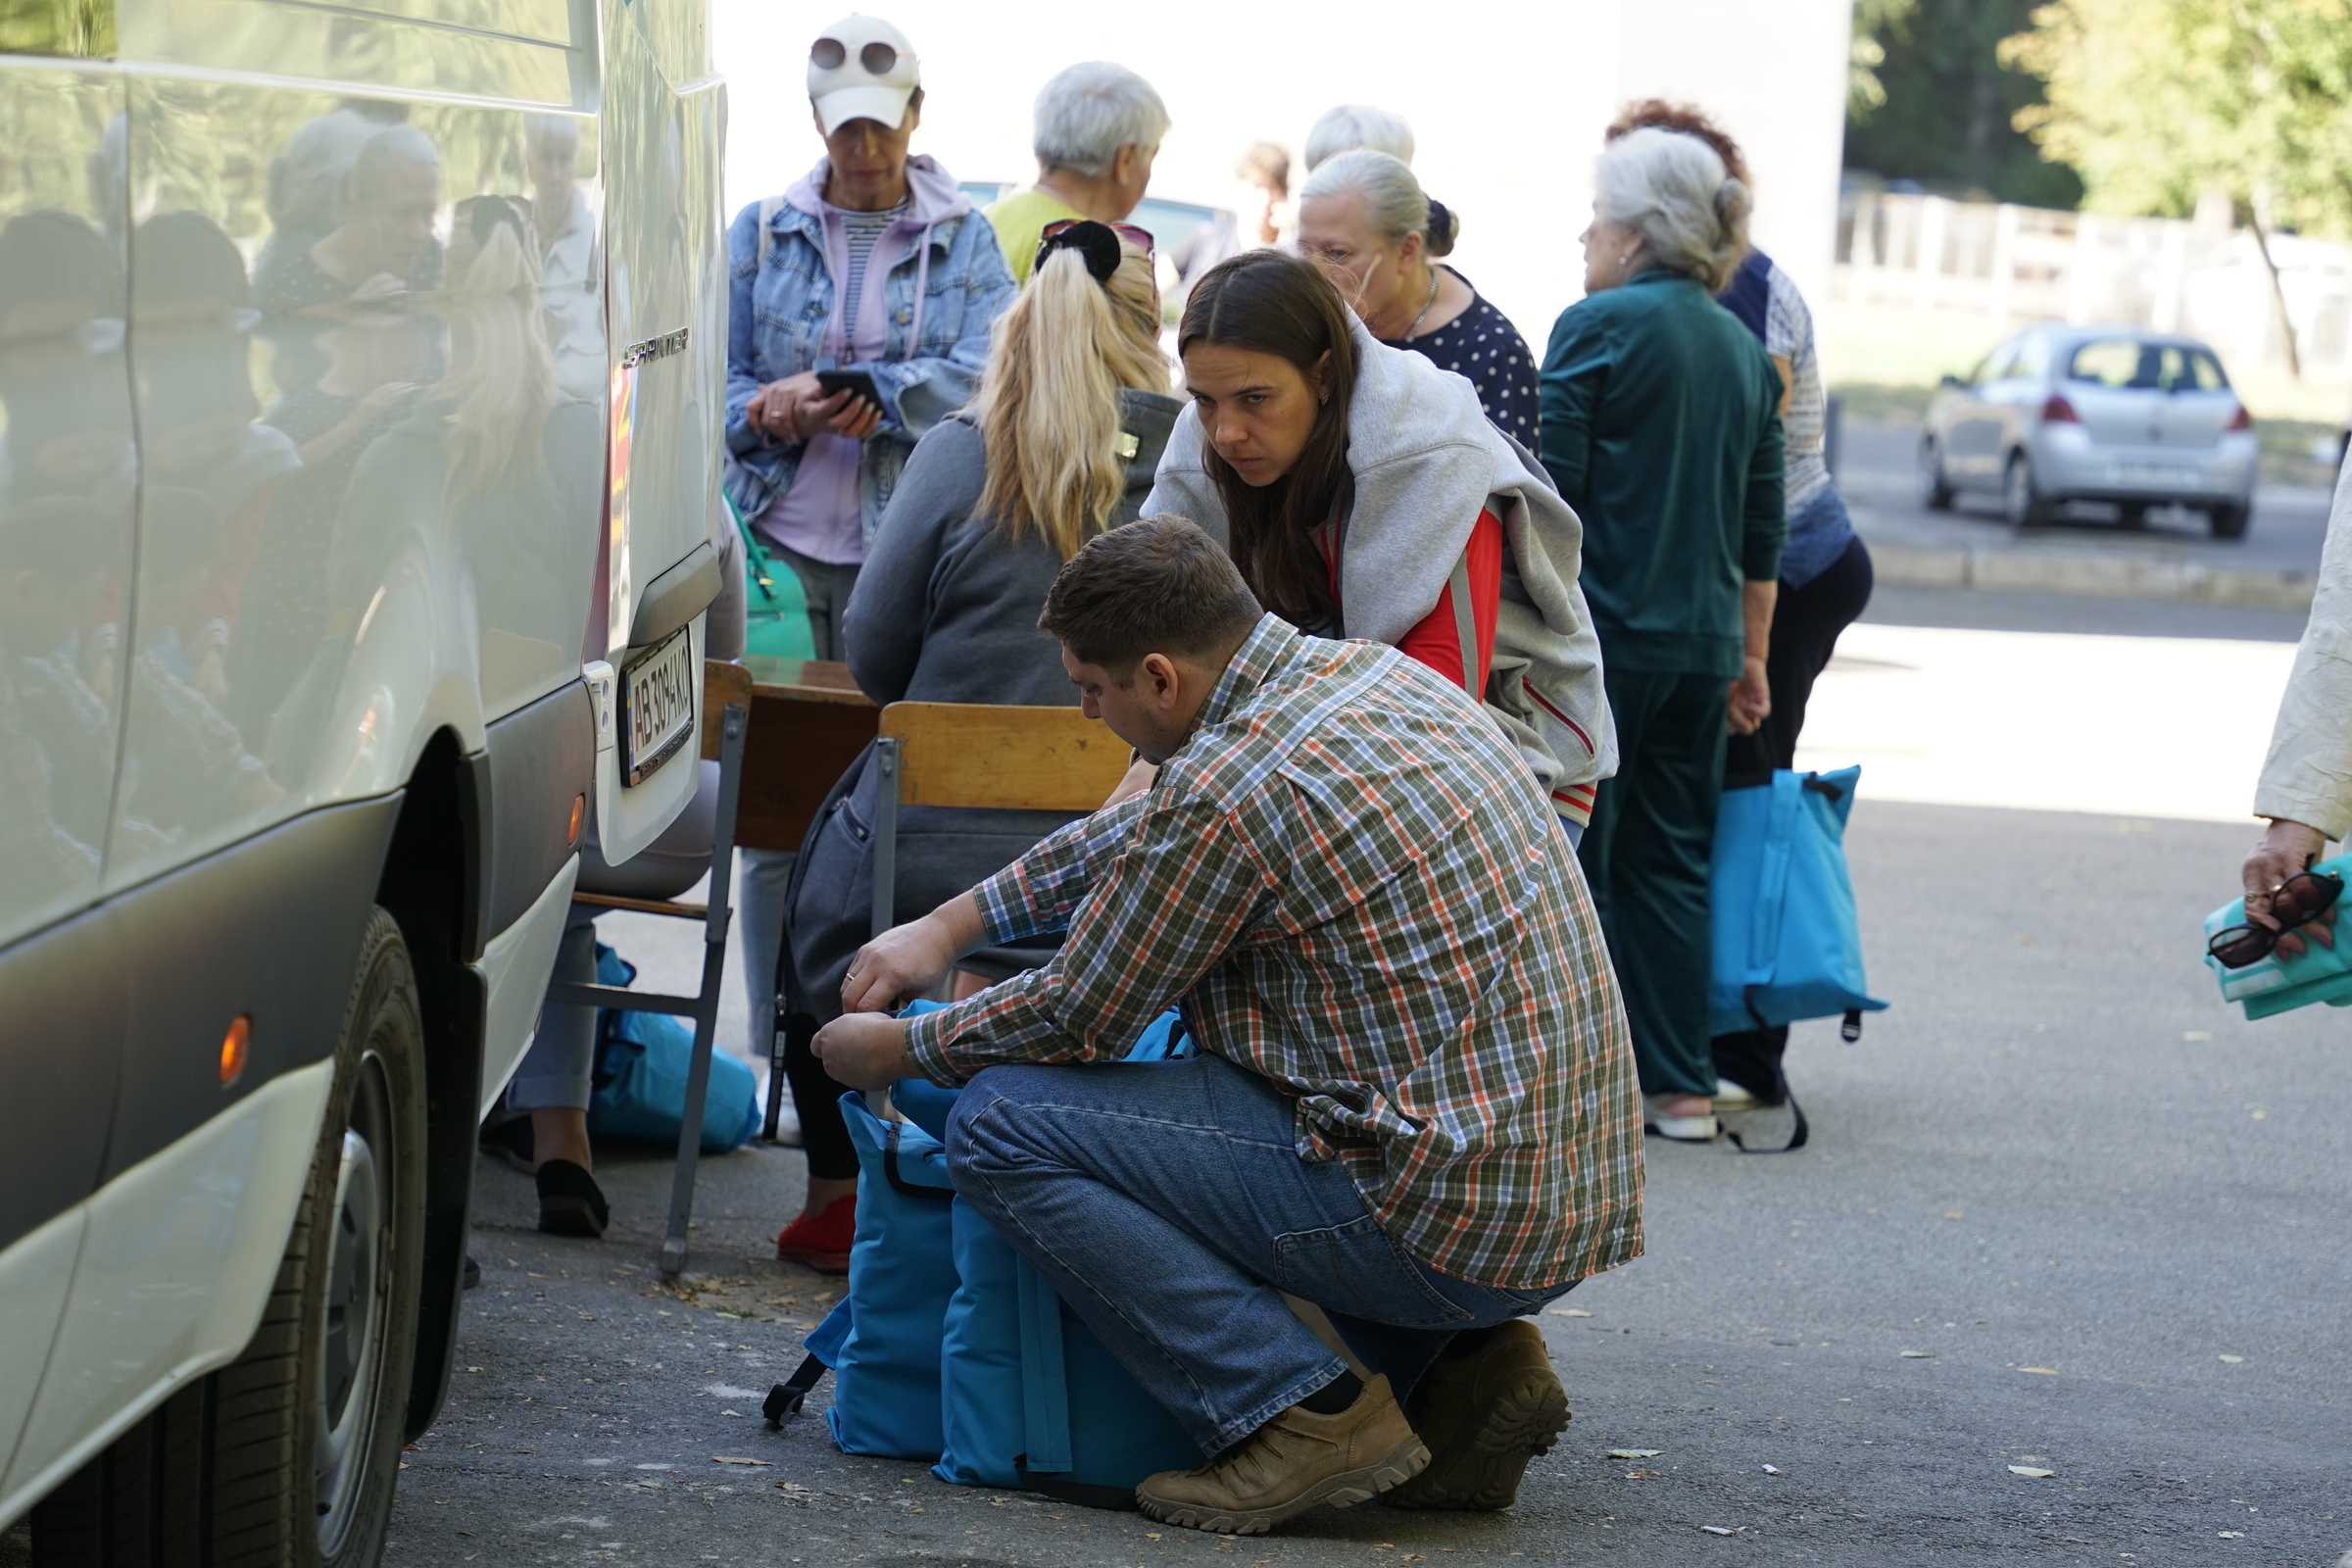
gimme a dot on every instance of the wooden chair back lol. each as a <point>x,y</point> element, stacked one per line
<point>1003,758</point>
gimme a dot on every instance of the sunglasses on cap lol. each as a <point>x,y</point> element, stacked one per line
<point>878,58</point>
<point>2300,900</point>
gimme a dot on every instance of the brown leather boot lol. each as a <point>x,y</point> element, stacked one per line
<point>1484,1417</point>
<point>1297,1461</point>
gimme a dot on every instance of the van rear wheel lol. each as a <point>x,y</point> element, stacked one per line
<point>289,1455</point>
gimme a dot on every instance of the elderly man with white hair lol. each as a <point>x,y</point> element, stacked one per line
<point>1099,127</point>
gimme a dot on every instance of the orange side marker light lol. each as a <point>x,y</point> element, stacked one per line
<point>579,809</point>
<point>235,1047</point>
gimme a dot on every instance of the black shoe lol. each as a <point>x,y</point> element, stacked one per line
<point>510,1141</point>
<point>1484,1411</point>
<point>570,1204</point>
<point>473,1273</point>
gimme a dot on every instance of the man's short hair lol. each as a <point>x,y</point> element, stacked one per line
<point>1157,585</point>
<point>1086,114</point>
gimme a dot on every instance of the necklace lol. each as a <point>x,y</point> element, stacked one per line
<point>1425,305</point>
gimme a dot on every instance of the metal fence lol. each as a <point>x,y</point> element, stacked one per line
<point>2010,267</point>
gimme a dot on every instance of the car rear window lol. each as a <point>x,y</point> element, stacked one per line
<point>2129,362</point>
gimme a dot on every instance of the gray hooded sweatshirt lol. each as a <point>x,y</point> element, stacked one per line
<point>1426,460</point>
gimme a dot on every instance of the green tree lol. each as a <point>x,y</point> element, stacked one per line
<point>1929,99</point>
<point>2158,102</point>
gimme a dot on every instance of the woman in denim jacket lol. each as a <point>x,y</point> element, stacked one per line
<point>874,261</point>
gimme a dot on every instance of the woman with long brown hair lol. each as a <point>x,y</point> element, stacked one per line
<point>1058,443</point>
<point>1363,493</point>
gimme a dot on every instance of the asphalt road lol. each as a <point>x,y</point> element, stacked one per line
<point>2060,1210</point>
<point>1875,475</point>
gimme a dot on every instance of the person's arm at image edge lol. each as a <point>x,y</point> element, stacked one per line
<point>2306,786</point>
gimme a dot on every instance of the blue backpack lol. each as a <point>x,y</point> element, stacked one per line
<point>642,1059</point>
<point>948,1346</point>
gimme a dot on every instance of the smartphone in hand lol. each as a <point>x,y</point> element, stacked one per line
<point>857,382</point>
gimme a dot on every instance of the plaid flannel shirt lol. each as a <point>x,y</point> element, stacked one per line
<point>1353,880</point>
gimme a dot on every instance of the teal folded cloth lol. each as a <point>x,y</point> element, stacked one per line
<point>2276,983</point>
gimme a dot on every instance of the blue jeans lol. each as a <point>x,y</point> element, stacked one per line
<point>1166,1201</point>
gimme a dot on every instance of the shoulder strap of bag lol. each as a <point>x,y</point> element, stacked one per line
<point>1046,1402</point>
<point>1465,624</point>
<point>786,1397</point>
<point>1796,1139</point>
<point>1772,887</point>
<point>768,208</point>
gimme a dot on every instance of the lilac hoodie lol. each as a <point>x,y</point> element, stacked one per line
<point>819,515</point>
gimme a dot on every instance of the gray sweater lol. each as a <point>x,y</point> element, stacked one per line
<point>1425,460</point>
<point>944,611</point>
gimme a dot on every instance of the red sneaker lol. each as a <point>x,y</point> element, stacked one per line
<point>821,1240</point>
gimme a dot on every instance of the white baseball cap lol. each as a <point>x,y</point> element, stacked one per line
<point>862,68</point>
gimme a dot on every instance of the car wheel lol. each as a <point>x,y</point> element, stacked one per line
<point>289,1455</point>
<point>1934,491</point>
<point>2132,515</point>
<point>2227,522</point>
<point>2021,503</point>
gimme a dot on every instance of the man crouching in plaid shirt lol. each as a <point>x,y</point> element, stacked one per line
<point>1414,1101</point>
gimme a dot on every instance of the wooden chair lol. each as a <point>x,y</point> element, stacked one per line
<point>727,718</point>
<point>976,755</point>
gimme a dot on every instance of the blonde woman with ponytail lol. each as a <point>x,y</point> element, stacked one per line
<point>1058,443</point>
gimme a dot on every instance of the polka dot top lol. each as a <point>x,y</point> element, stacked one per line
<point>1482,345</point>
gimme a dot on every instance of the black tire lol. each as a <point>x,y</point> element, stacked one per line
<point>2132,515</point>
<point>289,1455</point>
<point>2022,502</point>
<point>2227,522</point>
<point>1935,490</point>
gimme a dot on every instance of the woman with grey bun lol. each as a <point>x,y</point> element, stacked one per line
<point>1365,220</point>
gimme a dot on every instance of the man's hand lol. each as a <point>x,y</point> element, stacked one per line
<point>907,961</point>
<point>1749,700</point>
<point>865,1050</point>
<point>2287,848</point>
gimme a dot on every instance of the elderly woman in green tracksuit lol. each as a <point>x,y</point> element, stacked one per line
<point>1661,426</point>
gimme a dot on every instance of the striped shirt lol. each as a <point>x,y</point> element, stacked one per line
<point>1349,879</point>
<point>863,231</point>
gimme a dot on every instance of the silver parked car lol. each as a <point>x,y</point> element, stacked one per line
<point>2118,415</point>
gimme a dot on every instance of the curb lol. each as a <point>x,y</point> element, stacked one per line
<point>2114,576</point>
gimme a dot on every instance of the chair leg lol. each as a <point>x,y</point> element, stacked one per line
<point>705,1017</point>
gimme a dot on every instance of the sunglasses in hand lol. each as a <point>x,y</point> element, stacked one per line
<point>2300,900</point>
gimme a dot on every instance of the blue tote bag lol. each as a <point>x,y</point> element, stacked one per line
<point>642,1063</point>
<point>1787,945</point>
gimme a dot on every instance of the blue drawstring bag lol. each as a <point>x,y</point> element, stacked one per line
<point>948,1346</point>
<point>882,1341</point>
<point>642,1061</point>
<point>1787,945</point>
<point>2275,983</point>
<point>1034,1399</point>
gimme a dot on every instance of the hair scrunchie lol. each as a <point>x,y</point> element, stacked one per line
<point>1094,244</point>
